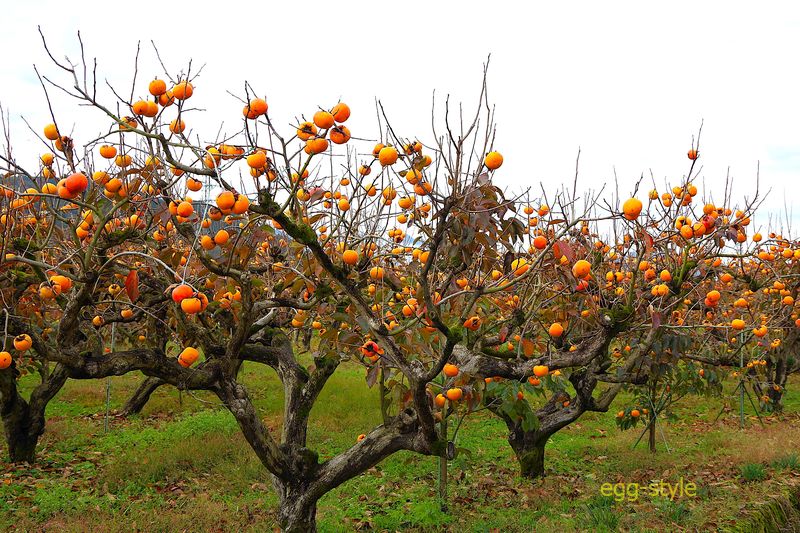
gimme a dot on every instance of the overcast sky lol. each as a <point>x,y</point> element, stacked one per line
<point>627,82</point>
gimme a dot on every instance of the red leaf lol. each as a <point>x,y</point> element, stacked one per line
<point>503,333</point>
<point>528,348</point>
<point>657,319</point>
<point>647,239</point>
<point>563,248</point>
<point>132,285</point>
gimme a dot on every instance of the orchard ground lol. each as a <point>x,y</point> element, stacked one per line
<point>183,465</point>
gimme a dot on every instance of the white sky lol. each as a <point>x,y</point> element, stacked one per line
<point>627,82</point>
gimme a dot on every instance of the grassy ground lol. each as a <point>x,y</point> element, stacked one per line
<point>183,466</point>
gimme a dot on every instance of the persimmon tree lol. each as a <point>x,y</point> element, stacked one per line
<point>607,314</point>
<point>757,300</point>
<point>773,288</point>
<point>672,376</point>
<point>109,267</point>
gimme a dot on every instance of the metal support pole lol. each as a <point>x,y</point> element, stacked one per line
<point>443,465</point>
<point>108,379</point>
<point>741,391</point>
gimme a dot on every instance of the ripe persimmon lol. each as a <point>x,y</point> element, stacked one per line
<point>226,200</point>
<point>139,107</point>
<point>316,145</point>
<point>454,394</point>
<point>51,132</point>
<point>540,371</point>
<point>63,282</point>
<point>473,323</point>
<point>166,99</point>
<point>76,183</point>
<point>157,87</point>
<point>340,112</point>
<point>185,209</point>
<point>193,184</point>
<point>581,268</point>
<point>520,266</point>
<point>376,272</point>
<point>241,205</point>
<point>255,108</point>
<point>340,134</point>
<point>189,355</point>
<point>388,155</point>
<point>107,151</point>
<point>22,342</point>
<point>450,370</point>
<point>257,159</point>
<point>191,305</point>
<point>221,237</point>
<point>350,257</point>
<point>323,120</point>
<point>306,130</point>
<point>183,90</point>
<point>632,208</point>
<point>181,292</point>
<point>493,160</point>
<point>177,126</point>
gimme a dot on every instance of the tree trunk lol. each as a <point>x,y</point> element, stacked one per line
<point>529,448</point>
<point>21,431</point>
<point>776,399</point>
<point>23,422</point>
<point>141,396</point>
<point>21,446</point>
<point>297,512</point>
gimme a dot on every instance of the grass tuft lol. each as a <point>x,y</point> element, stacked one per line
<point>752,472</point>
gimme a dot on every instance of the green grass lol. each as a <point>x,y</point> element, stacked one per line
<point>753,472</point>
<point>787,462</point>
<point>183,465</point>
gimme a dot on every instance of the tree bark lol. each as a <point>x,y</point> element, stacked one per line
<point>20,437</point>
<point>23,422</point>
<point>141,396</point>
<point>529,449</point>
<point>297,511</point>
<point>559,412</point>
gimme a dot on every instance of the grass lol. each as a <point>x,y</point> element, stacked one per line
<point>789,462</point>
<point>183,465</point>
<point>753,472</point>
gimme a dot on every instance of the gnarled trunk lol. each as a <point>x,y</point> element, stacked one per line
<point>559,412</point>
<point>141,396</point>
<point>529,449</point>
<point>297,510</point>
<point>298,476</point>
<point>20,433</point>
<point>23,422</point>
